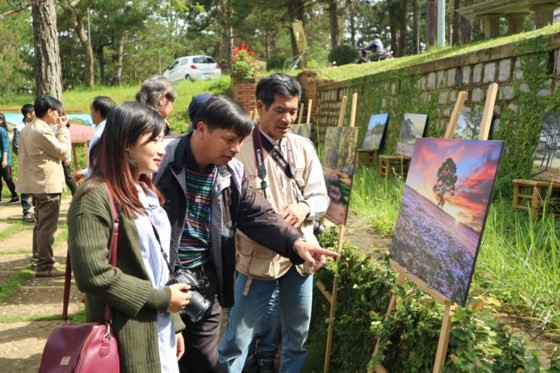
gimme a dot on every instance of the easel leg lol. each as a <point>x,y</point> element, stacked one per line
<point>333,305</point>
<point>443,339</point>
<point>392,305</point>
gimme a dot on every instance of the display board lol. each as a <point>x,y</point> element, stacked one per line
<point>443,211</point>
<point>302,129</point>
<point>546,160</point>
<point>339,157</point>
<point>412,128</point>
<point>468,125</point>
<point>375,130</point>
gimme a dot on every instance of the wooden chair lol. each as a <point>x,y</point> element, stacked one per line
<point>397,164</point>
<point>531,194</point>
<point>366,157</point>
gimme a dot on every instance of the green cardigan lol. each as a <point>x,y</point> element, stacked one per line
<point>127,288</point>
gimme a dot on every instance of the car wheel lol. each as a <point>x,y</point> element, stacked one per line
<point>188,78</point>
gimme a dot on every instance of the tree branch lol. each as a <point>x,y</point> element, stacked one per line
<point>21,7</point>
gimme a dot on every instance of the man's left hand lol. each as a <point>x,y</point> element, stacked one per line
<point>180,341</point>
<point>314,255</point>
<point>295,214</point>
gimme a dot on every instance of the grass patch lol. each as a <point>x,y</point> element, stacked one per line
<point>379,209</point>
<point>353,71</point>
<point>14,282</point>
<point>81,97</point>
<point>13,228</point>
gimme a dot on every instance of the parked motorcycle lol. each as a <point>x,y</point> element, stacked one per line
<point>369,56</point>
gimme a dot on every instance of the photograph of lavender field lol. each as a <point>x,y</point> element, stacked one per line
<point>375,130</point>
<point>412,128</point>
<point>443,210</point>
<point>339,158</point>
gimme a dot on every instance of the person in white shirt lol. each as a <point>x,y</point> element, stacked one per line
<point>99,109</point>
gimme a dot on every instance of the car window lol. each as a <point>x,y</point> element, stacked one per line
<point>199,60</point>
<point>210,60</point>
<point>174,65</point>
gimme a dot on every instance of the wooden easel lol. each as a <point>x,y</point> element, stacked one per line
<point>491,94</point>
<point>445,330</point>
<point>404,275</point>
<point>331,298</point>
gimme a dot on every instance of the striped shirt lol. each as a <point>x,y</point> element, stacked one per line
<point>194,246</point>
<point>158,271</point>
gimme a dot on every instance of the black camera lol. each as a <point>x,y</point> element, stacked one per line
<point>198,304</point>
<point>318,228</point>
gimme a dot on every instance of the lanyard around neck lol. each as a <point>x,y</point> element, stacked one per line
<point>260,142</point>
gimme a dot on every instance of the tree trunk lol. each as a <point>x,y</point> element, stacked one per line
<point>333,23</point>
<point>76,17</point>
<point>100,56</point>
<point>403,31</point>
<point>47,54</point>
<point>431,22</point>
<point>351,11</point>
<point>415,27</point>
<point>120,58</point>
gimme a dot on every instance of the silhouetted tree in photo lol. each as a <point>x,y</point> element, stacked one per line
<point>446,179</point>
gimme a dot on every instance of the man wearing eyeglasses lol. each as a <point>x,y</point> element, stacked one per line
<point>40,174</point>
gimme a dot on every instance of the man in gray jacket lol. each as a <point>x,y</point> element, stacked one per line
<point>207,198</point>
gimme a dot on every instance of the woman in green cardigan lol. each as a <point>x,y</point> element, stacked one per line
<point>144,307</point>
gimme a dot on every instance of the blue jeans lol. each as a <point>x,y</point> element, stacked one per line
<point>244,318</point>
<point>269,332</point>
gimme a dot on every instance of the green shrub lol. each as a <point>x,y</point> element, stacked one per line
<point>343,55</point>
<point>410,334</point>
<point>276,62</point>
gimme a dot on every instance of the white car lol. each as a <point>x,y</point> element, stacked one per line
<point>193,68</point>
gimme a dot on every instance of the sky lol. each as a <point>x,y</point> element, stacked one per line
<point>476,161</point>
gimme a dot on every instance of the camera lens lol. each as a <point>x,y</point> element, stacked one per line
<point>197,306</point>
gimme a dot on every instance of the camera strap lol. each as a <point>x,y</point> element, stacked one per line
<point>287,166</point>
<point>203,283</point>
<point>165,257</point>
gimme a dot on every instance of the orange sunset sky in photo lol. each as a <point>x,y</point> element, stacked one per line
<point>476,166</point>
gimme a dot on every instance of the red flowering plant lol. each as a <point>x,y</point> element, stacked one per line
<point>243,62</point>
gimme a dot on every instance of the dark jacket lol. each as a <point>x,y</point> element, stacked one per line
<point>234,205</point>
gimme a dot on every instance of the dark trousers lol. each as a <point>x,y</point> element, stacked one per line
<point>47,209</point>
<point>202,337</point>
<point>7,176</point>
<point>68,178</point>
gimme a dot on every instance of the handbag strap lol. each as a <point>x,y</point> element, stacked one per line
<point>112,261</point>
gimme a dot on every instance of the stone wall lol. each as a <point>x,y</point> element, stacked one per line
<point>244,93</point>
<point>437,85</point>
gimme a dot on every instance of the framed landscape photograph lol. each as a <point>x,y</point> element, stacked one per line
<point>443,211</point>
<point>375,130</point>
<point>468,125</point>
<point>339,158</point>
<point>546,160</point>
<point>412,128</point>
<point>302,129</point>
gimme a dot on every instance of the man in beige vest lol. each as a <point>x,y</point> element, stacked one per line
<point>285,169</point>
<point>40,174</point>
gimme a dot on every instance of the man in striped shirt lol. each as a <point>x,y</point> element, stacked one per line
<point>207,198</point>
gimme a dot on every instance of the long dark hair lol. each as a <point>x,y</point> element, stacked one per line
<point>3,118</point>
<point>126,123</point>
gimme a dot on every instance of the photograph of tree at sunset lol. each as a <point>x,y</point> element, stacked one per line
<point>443,211</point>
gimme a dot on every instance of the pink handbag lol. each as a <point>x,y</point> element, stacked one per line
<point>85,348</point>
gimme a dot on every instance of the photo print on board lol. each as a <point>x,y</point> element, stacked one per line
<point>443,211</point>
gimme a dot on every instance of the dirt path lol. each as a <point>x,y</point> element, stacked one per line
<point>22,337</point>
